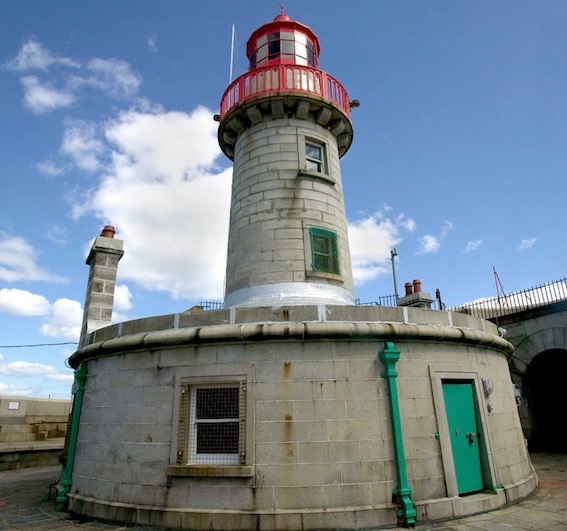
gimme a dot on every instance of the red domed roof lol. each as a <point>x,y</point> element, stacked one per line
<point>282,17</point>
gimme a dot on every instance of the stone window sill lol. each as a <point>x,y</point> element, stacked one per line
<point>211,471</point>
<point>321,274</point>
<point>306,174</point>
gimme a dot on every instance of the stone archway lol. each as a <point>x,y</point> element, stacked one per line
<point>545,387</point>
<point>536,385</point>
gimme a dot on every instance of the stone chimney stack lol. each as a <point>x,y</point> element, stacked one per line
<point>103,260</point>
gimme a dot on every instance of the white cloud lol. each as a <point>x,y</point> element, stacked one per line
<point>80,142</point>
<point>448,226</point>
<point>48,167</point>
<point>527,243</point>
<point>164,194</point>
<point>64,320</point>
<point>33,56</point>
<point>57,234</point>
<point>42,97</point>
<point>24,303</point>
<point>28,369</point>
<point>18,262</point>
<point>407,223</point>
<point>122,298</point>
<point>152,43</point>
<point>371,240</point>
<point>429,244</point>
<point>164,146</point>
<point>472,246</point>
<point>112,76</point>
<point>15,390</point>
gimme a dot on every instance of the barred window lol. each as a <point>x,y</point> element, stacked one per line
<point>215,414</point>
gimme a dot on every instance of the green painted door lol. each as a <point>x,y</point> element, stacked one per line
<point>464,435</point>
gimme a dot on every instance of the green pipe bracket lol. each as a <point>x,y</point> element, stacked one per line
<point>67,478</point>
<point>389,355</point>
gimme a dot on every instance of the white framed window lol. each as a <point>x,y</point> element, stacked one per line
<point>212,419</point>
<point>315,156</point>
<point>214,424</point>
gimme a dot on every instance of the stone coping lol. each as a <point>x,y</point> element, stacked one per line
<point>56,443</point>
<point>292,323</point>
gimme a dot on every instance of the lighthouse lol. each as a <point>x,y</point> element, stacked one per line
<point>291,407</point>
<point>285,123</point>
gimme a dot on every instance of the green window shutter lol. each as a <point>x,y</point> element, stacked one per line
<point>324,251</point>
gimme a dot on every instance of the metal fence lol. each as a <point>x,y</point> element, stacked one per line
<point>210,305</point>
<point>383,300</point>
<point>517,301</point>
<point>486,308</point>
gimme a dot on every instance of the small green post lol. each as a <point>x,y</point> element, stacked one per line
<point>406,512</point>
<point>67,479</point>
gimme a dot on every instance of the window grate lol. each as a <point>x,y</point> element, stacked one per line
<point>216,416</point>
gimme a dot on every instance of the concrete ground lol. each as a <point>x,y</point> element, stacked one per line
<point>25,504</point>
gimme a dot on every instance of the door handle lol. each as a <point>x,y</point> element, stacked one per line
<point>471,435</point>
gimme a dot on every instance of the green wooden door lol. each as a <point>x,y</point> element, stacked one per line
<point>464,435</point>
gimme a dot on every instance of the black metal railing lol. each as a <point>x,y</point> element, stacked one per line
<point>383,300</point>
<point>210,305</point>
<point>517,301</point>
<point>486,308</point>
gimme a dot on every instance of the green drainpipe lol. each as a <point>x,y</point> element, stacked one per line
<point>67,481</point>
<point>406,511</point>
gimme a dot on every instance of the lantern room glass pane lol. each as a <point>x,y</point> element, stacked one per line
<point>262,53</point>
<point>287,47</point>
<point>273,45</point>
<point>310,54</point>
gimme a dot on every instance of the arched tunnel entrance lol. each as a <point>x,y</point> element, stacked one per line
<point>546,390</point>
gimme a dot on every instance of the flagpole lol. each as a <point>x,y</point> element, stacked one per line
<point>231,54</point>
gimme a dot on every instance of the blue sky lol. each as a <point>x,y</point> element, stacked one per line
<point>459,156</point>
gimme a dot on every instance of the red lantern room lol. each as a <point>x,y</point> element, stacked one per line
<point>284,80</point>
<point>283,41</point>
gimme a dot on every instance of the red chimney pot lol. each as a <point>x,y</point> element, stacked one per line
<point>108,231</point>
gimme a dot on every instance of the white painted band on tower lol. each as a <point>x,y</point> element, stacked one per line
<point>289,294</point>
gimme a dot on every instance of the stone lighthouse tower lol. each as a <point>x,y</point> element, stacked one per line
<point>285,123</point>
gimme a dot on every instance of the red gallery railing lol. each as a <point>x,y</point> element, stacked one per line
<point>284,78</point>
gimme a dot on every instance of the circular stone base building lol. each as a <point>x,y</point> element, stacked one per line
<point>300,417</point>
